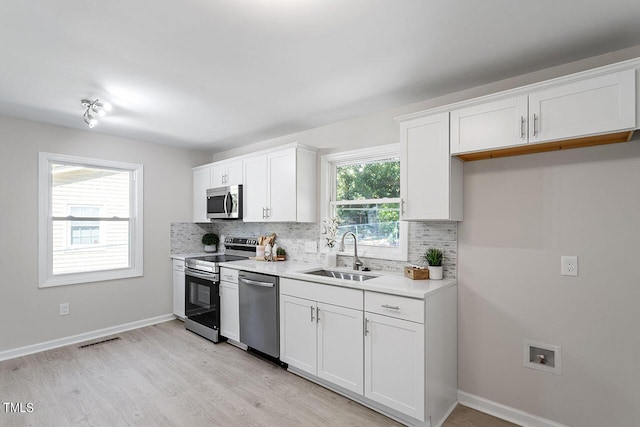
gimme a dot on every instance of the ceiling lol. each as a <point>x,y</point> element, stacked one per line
<point>214,74</point>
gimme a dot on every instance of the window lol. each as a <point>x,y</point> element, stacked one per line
<point>90,220</point>
<point>84,232</point>
<point>364,193</point>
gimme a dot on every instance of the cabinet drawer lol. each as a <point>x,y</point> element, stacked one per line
<point>343,297</point>
<point>228,275</point>
<point>178,265</point>
<point>394,306</point>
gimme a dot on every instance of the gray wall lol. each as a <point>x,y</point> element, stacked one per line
<point>520,215</point>
<point>29,315</point>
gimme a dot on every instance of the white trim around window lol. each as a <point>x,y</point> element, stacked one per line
<point>327,189</point>
<point>45,222</point>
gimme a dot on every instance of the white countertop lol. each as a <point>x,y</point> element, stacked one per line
<point>183,256</point>
<point>385,282</point>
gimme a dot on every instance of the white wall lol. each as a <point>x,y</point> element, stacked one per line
<point>521,214</point>
<point>29,315</point>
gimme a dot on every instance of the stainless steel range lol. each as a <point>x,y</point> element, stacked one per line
<point>202,286</point>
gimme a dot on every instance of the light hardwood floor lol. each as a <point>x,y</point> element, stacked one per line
<point>163,375</point>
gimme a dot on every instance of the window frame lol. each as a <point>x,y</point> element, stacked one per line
<point>46,278</point>
<point>328,191</point>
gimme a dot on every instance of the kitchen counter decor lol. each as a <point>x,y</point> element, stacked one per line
<point>433,257</point>
<point>210,242</point>
<point>416,273</point>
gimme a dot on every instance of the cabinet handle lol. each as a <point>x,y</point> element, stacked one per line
<point>317,314</point>
<point>268,213</point>
<point>366,326</point>
<point>392,307</point>
<point>264,215</point>
<point>535,124</point>
<point>312,318</point>
<point>522,127</point>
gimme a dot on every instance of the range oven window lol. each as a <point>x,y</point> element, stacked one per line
<point>202,301</point>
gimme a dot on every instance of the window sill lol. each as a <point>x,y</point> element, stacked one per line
<point>98,276</point>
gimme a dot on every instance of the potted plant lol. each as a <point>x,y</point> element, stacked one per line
<point>210,242</point>
<point>281,254</point>
<point>433,257</point>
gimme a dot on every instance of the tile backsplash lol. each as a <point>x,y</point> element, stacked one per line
<point>185,238</point>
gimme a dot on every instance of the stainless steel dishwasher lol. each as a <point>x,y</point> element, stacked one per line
<point>259,312</point>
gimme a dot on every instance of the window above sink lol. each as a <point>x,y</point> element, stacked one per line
<point>362,188</point>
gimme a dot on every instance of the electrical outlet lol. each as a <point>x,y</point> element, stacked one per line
<point>311,247</point>
<point>64,309</point>
<point>569,265</point>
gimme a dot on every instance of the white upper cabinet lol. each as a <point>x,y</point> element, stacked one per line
<point>201,183</point>
<point>226,173</point>
<point>582,107</point>
<point>280,186</point>
<point>255,188</point>
<point>501,123</point>
<point>430,179</point>
<point>586,107</point>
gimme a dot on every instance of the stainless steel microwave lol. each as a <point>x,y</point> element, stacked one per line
<point>224,202</point>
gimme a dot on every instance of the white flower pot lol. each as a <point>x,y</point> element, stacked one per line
<point>435,273</point>
<point>210,248</point>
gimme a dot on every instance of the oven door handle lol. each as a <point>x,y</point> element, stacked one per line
<point>255,283</point>
<point>190,272</point>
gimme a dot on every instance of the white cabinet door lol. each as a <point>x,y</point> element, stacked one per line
<point>201,183</point>
<point>178,290</point>
<point>255,188</point>
<point>298,333</point>
<point>340,346</point>
<point>226,173</point>
<point>218,175</point>
<point>229,311</point>
<point>490,125</point>
<point>591,106</point>
<point>430,180</point>
<point>395,364</point>
<point>234,173</point>
<point>282,185</point>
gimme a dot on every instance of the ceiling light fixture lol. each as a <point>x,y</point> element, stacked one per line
<point>94,108</point>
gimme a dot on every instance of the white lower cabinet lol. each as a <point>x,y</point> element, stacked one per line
<point>229,304</point>
<point>394,363</point>
<point>395,354</point>
<point>340,349</point>
<point>325,340</point>
<point>178,288</point>
<point>298,327</point>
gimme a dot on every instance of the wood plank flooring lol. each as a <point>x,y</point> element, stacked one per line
<point>162,375</point>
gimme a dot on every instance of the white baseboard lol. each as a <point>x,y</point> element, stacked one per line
<point>61,342</point>
<point>504,412</point>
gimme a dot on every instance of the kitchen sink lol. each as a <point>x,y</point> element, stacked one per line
<point>355,277</point>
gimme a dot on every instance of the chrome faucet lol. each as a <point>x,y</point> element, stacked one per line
<point>356,261</point>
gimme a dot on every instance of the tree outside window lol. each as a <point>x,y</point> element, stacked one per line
<point>367,200</point>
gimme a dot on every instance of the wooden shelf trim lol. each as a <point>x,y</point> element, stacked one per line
<point>548,146</point>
